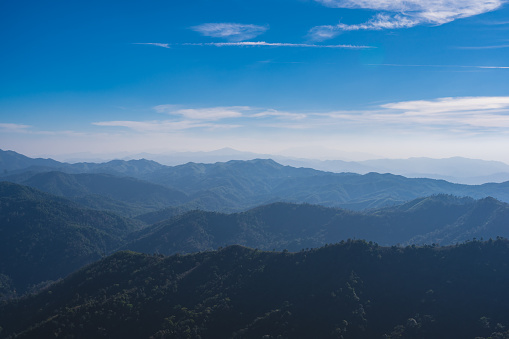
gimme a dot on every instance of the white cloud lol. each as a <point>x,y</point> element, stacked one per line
<point>278,114</point>
<point>450,105</point>
<point>215,113</point>
<point>204,114</point>
<point>404,13</point>
<point>162,126</point>
<point>379,22</point>
<point>164,108</point>
<point>230,31</point>
<point>461,116</point>
<point>484,47</point>
<point>442,66</point>
<point>158,44</point>
<point>273,44</point>
<point>457,115</point>
<point>14,127</point>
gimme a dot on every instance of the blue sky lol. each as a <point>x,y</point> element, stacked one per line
<point>390,78</point>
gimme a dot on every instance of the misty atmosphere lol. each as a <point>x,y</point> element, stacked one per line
<point>254,169</point>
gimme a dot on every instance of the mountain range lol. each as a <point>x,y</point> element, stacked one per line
<point>44,237</point>
<point>432,262</point>
<point>227,187</point>
<point>456,169</point>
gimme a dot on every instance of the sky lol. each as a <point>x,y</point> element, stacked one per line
<point>382,78</point>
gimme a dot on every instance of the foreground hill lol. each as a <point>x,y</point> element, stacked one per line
<point>43,237</point>
<point>349,290</point>
<point>437,219</point>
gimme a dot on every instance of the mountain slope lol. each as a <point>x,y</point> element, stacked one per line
<point>12,161</point>
<point>43,237</point>
<point>349,290</point>
<point>125,195</point>
<point>436,219</point>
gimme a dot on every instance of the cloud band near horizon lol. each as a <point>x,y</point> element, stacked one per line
<point>458,114</point>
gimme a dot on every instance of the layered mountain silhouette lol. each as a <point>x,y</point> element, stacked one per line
<point>44,237</point>
<point>437,219</point>
<point>232,186</point>
<point>230,229</point>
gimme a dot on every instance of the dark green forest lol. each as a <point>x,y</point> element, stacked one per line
<point>353,289</point>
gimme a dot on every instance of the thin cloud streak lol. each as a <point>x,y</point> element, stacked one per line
<point>163,126</point>
<point>483,47</point>
<point>272,44</point>
<point>256,44</point>
<point>281,115</point>
<point>14,127</point>
<point>158,44</point>
<point>442,66</point>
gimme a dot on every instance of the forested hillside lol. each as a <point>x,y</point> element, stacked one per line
<point>44,238</point>
<point>440,219</point>
<point>350,290</point>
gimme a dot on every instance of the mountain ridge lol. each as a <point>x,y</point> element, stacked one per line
<point>353,289</point>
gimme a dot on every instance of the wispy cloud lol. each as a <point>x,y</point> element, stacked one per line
<point>273,44</point>
<point>162,126</point>
<point>379,22</point>
<point>183,119</point>
<point>404,14</point>
<point>257,44</point>
<point>279,114</point>
<point>442,66</point>
<point>158,44</point>
<point>456,115</point>
<point>14,127</point>
<point>230,31</point>
<point>205,114</point>
<point>448,105</point>
<point>484,47</point>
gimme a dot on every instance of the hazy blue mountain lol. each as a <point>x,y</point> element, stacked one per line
<point>349,290</point>
<point>125,195</point>
<point>132,168</point>
<point>11,161</point>
<point>456,169</point>
<point>44,237</point>
<point>240,185</point>
<point>244,184</point>
<point>436,219</point>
